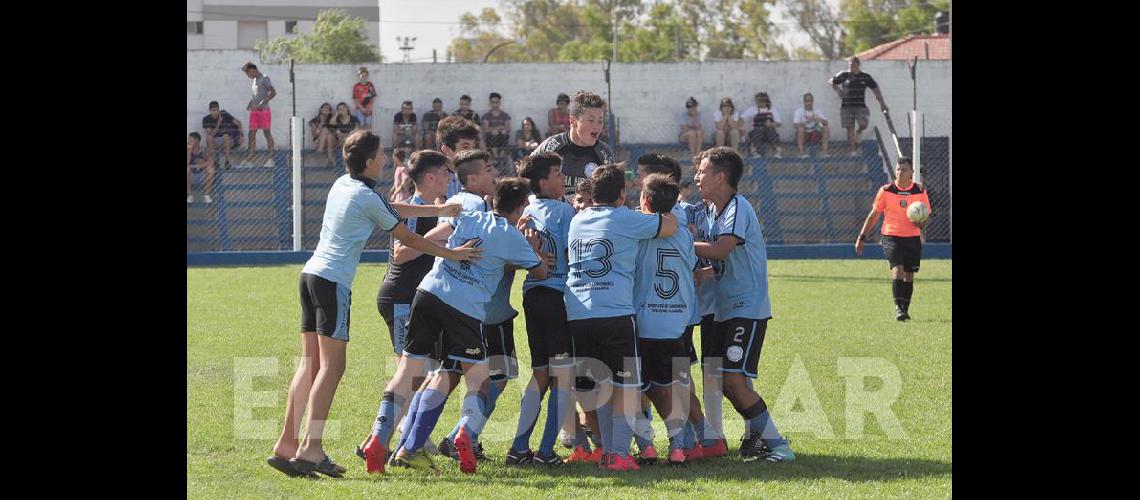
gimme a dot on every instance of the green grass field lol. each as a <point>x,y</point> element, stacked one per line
<point>242,344</point>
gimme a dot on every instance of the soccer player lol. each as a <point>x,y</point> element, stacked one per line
<point>455,134</point>
<point>453,298</point>
<point>580,149</point>
<point>743,306</point>
<point>599,303</point>
<point>583,196</point>
<point>352,211</point>
<point>547,335</point>
<point>664,296</point>
<point>902,241</point>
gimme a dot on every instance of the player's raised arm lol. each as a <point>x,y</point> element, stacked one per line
<point>412,240</point>
<point>438,210</point>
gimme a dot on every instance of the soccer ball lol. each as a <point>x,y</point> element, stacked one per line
<point>917,212</point>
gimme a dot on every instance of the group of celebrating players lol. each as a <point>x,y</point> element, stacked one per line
<point>611,298</point>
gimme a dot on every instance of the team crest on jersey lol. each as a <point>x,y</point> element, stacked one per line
<point>735,353</point>
<point>902,203</point>
<point>590,168</point>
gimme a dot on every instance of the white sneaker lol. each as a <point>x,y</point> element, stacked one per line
<point>207,199</point>
<point>190,199</point>
<point>269,162</point>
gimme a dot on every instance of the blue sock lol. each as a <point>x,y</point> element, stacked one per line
<point>528,416</point>
<point>427,415</point>
<point>606,422</point>
<point>643,429</point>
<point>580,438</point>
<point>493,393</point>
<point>383,426</point>
<point>706,433</point>
<point>473,414</point>
<point>556,402</point>
<point>763,425</point>
<point>622,434</point>
<point>688,436</point>
<point>409,419</point>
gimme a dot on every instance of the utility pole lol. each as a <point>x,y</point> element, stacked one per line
<point>407,45</point>
<point>433,57</point>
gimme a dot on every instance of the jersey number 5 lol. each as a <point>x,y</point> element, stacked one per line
<point>664,272</point>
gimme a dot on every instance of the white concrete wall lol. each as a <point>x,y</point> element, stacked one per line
<point>646,97</point>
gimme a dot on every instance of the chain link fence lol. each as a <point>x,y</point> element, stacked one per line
<point>240,205</point>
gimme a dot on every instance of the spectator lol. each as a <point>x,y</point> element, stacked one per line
<point>526,139</point>
<point>221,128</point>
<point>402,186</point>
<point>196,161</point>
<point>260,117</point>
<point>765,121</point>
<point>321,128</point>
<point>343,123</point>
<point>430,124</point>
<point>465,110</point>
<point>853,108</point>
<point>811,127</point>
<point>729,124</point>
<point>404,134</point>
<point>691,133</point>
<point>558,118</point>
<point>363,96</point>
<point>496,126</point>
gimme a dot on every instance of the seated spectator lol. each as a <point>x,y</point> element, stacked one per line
<point>691,133</point>
<point>404,134</point>
<point>402,186</point>
<point>465,111</point>
<point>527,139</point>
<point>323,135</point>
<point>196,162</point>
<point>221,128</point>
<point>765,121</point>
<point>343,123</point>
<point>363,97</point>
<point>811,127</point>
<point>430,124</point>
<point>496,126</point>
<point>558,118</point>
<point>729,124</point>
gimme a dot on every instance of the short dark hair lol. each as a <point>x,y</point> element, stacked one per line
<point>424,162</point>
<point>433,101</point>
<point>409,103</point>
<point>585,187</point>
<point>809,95</point>
<point>662,192</point>
<point>907,160</point>
<point>691,103</point>
<point>248,66</point>
<point>767,100</point>
<point>495,94</point>
<point>214,104</point>
<point>196,136</point>
<point>583,100</point>
<point>609,182</point>
<point>400,154</point>
<point>453,128</point>
<point>562,98</point>
<point>465,163</point>
<point>464,97</point>
<point>510,194</point>
<point>854,59</point>
<point>537,167</point>
<point>686,184</point>
<point>657,163</point>
<point>360,146</point>
<point>727,160</point>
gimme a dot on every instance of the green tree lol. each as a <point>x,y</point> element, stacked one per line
<point>337,38</point>
<point>871,23</point>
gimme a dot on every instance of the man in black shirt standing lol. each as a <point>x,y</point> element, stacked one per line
<point>850,86</point>
<point>580,149</point>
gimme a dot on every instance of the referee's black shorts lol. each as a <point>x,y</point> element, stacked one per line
<point>903,251</point>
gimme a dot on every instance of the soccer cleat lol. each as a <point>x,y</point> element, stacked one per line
<point>467,462</point>
<point>375,454</point>
<point>478,449</point>
<point>579,455</point>
<point>622,464</point>
<point>720,449</point>
<point>551,460</point>
<point>677,456</point>
<point>901,314</point>
<point>782,453</point>
<point>447,449</point>
<point>648,456</point>
<point>751,447</point>
<point>417,460</point>
<point>598,455</point>
<point>694,453</point>
<point>520,457</point>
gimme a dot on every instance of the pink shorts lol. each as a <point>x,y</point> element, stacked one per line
<point>259,119</point>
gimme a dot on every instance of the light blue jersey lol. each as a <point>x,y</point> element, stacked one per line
<point>499,308</point>
<point>453,184</point>
<point>353,210</point>
<point>603,254</point>
<point>664,294</point>
<point>742,291</point>
<point>471,203</point>
<point>706,291</point>
<point>551,218</point>
<point>468,286</point>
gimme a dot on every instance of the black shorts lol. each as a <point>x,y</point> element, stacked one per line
<point>500,339</point>
<point>462,336</point>
<point>396,317</point>
<point>740,341</point>
<point>324,306</point>
<point>710,341</point>
<point>664,362</point>
<point>903,251</point>
<point>546,328</point>
<point>606,349</point>
<point>687,338</point>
